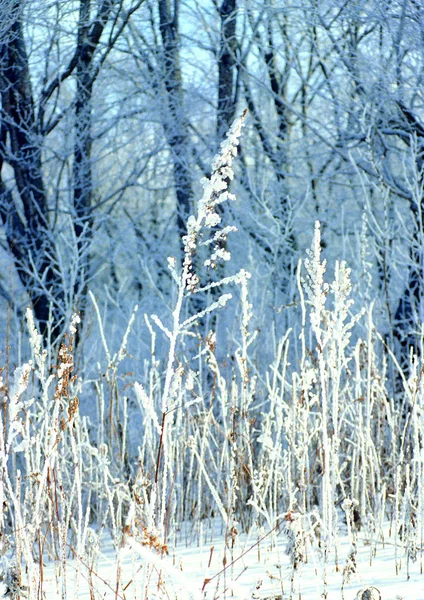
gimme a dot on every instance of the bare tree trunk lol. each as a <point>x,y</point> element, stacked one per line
<point>409,314</point>
<point>82,170</point>
<point>89,34</point>
<point>29,238</point>
<point>226,67</point>
<point>175,123</point>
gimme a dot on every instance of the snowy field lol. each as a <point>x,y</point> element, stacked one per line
<point>256,568</point>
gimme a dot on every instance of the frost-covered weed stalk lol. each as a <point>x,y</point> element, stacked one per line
<point>203,229</point>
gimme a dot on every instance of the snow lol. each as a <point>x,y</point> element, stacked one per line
<point>257,567</point>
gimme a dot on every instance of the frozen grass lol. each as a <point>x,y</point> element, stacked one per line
<point>312,457</point>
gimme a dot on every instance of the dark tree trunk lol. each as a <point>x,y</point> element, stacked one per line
<point>409,314</point>
<point>175,123</point>
<point>82,167</point>
<point>227,67</point>
<point>29,238</point>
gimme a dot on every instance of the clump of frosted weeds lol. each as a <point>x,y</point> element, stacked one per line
<point>42,460</point>
<point>10,579</point>
<point>331,326</point>
<point>203,231</point>
<point>295,547</point>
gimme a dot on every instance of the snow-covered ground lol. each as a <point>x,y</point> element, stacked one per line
<point>253,571</point>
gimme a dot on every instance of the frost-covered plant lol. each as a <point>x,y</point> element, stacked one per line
<point>203,230</point>
<point>44,460</point>
<point>309,446</point>
<point>331,328</point>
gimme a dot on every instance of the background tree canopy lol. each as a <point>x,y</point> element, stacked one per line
<point>111,111</point>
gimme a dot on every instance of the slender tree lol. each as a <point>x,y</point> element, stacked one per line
<point>227,64</point>
<point>174,121</point>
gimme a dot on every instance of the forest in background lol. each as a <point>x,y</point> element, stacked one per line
<point>195,329</point>
<point>112,112</point>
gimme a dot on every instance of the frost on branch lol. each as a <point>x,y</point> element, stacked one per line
<point>215,192</point>
<point>315,287</point>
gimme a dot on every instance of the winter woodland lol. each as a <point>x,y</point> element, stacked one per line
<point>212,298</point>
